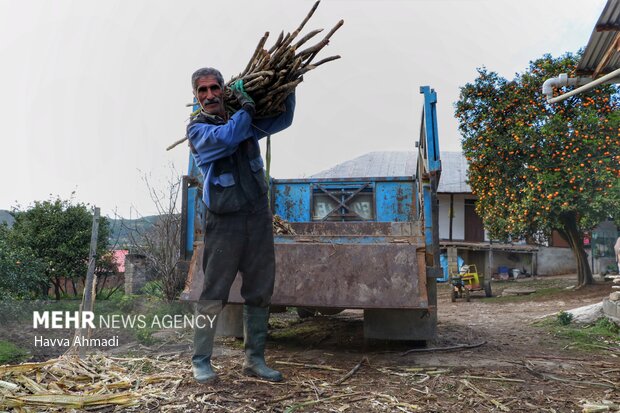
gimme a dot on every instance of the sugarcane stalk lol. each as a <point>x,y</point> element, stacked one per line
<point>258,49</point>
<point>310,13</point>
<point>271,75</point>
<point>327,37</point>
<point>277,43</point>
<point>307,37</point>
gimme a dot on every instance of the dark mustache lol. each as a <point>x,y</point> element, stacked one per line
<point>210,101</point>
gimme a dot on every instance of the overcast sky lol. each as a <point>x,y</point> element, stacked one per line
<point>92,92</point>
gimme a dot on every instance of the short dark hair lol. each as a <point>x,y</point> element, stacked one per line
<point>207,71</point>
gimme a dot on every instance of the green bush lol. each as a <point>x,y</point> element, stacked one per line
<point>606,326</point>
<point>153,289</point>
<point>10,353</point>
<point>145,336</point>
<point>564,318</point>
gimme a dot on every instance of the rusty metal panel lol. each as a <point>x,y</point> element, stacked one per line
<point>350,276</point>
<point>370,229</point>
<point>347,276</point>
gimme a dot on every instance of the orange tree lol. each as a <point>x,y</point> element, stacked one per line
<point>537,167</point>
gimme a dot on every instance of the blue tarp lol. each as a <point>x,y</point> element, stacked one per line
<point>443,261</point>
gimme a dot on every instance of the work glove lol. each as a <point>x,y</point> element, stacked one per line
<point>246,102</point>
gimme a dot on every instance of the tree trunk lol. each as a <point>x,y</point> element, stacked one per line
<point>56,283</point>
<point>571,233</point>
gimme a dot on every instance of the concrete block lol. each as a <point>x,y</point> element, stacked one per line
<point>135,273</point>
<point>400,324</point>
<point>615,296</point>
<point>611,309</point>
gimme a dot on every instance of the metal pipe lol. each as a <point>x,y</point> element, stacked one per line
<point>561,80</point>
<point>587,86</point>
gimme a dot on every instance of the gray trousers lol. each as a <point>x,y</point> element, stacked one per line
<point>240,242</point>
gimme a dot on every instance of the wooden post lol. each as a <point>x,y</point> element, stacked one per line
<point>89,293</point>
<point>451,216</point>
<point>88,297</point>
<point>490,270</point>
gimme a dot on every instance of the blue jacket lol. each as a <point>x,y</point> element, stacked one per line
<point>217,145</point>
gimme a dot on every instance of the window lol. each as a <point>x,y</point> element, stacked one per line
<point>343,202</point>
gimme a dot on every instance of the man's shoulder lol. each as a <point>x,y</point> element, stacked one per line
<point>202,117</point>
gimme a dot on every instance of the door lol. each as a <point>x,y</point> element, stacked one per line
<point>474,230</point>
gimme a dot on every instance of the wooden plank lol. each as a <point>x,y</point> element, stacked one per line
<point>613,48</point>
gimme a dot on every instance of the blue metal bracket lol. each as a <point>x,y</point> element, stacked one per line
<point>429,170</point>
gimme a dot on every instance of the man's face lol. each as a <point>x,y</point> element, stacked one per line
<point>210,94</point>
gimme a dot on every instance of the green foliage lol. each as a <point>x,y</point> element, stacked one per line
<point>10,353</point>
<point>153,289</point>
<point>564,318</point>
<point>113,294</point>
<point>537,167</point>
<point>531,161</point>
<point>607,327</point>
<point>21,270</point>
<point>145,336</point>
<point>57,233</point>
<point>128,303</point>
<point>603,335</point>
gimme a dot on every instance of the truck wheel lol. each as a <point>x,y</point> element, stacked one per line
<point>487,289</point>
<point>467,297</point>
<point>303,312</point>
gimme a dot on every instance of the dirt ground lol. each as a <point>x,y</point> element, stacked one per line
<point>513,362</point>
<point>521,367</point>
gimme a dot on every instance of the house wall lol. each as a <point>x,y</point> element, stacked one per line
<point>458,220</point>
<point>555,261</point>
<point>511,259</point>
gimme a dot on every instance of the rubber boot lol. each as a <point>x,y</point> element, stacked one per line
<point>203,344</point>
<point>255,320</point>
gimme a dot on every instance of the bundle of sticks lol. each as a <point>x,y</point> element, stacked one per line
<point>271,75</point>
<point>282,227</point>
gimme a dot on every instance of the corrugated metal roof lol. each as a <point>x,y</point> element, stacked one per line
<point>603,43</point>
<point>453,173</point>
<point>374,164</point>
<point>401,163</point>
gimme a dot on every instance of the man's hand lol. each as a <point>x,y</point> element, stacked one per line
<point>242,96</point>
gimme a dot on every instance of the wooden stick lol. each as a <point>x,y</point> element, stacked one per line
<point>313,402</point>
<point>307,37</point>
<point>326,38</point>
<point>309,366</point>
<point>485,396</point>
<point>180,141</point>
<point>310,13</point>
<point>449,348</point>
<point>258,49</point>
<point>277,43</point>
<point>494,379</point>
<point>352,372</point>
<point>333,30</point>
<point>327,59</point>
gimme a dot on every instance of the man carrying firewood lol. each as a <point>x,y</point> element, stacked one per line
<point>239,228</point>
